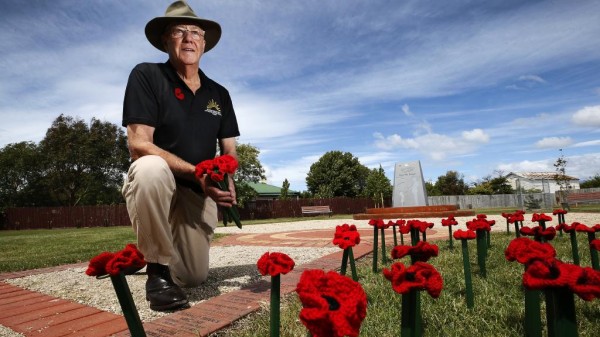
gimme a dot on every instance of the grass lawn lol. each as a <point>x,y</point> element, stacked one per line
<point>499,300</point>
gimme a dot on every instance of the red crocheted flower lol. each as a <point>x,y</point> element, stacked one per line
<point>275,264</point>
<point>421,226</point>
<point>550,273</point>
<point>179,94</point>
<point>525,250</point>
<point>479,224</point>
<point>400,222</point>
<point>97,265</point>
<point>464,235</point>
<point>559,211</point>
<point>422,251</point>
<point>595,244</point>
<point>450,221</point>
<point>481,216</point>
<point>378,223</point>
<point>346,236</point>
<point>587,285</point>
<point>217,168</point>
<point>506,215</point>
<point>332,304</point>
<point>128,261</point>
<point>517,216</point>
<point>568,228</point>
<point>419,276</point>
<point>540,217</point>
<point>585,228</point>
<point>539,232</point>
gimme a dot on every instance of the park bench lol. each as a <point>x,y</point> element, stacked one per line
<point>584,198</point>
<point>316,210</point>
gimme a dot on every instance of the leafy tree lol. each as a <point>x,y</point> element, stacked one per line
<point>84,164</point>
<point>337,174</point>
<point>431,189</point>
<point>378,186</point>
<point>250,170</point>
<point>489,186</point>
<point>452,183</point>
<point>591,182</point>
<point>20,181</point>
<point>561,178</point>
<point>285,189</point>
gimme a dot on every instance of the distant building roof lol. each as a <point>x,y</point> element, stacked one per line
<point>266,190</point>
<point>540,175</point>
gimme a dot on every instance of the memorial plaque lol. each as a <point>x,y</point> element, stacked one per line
<point>409,186</point>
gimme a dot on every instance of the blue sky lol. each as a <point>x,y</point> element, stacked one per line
<point>471,86</point>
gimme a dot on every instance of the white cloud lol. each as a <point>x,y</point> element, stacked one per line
<point>532,78</point>
<point>588,116</point>
<point>580,166</point>
<point>476,136</point>
<point>588,143</point>
<point>554,142</point>
<point>406,110</point>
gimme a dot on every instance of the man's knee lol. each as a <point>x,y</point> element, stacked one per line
<point>192,278</point>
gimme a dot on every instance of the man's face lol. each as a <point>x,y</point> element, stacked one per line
<point>184,43</point>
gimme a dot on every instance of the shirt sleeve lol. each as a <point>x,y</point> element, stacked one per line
<point>140,105</point>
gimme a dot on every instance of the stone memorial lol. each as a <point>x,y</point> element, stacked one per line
<point>409,186</point>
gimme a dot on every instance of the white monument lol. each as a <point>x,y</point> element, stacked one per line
<point>409,186</point>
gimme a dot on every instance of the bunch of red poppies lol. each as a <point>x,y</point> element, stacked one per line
<point>129,260</point>
<point>217,168</point>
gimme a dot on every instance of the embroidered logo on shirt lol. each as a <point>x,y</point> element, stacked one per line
<point>213,108</point>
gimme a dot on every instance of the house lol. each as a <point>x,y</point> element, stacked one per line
<point>270,192</point>
<point>543,181</point>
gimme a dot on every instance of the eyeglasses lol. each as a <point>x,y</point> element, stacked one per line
<point>178,32</point>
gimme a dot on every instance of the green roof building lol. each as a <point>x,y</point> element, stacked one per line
<point>270,192</point>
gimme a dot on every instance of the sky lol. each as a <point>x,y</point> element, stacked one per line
<point>479,87</point>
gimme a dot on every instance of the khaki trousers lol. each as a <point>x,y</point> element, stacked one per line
<point>174,225</point>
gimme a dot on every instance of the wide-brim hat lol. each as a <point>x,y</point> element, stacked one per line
<point>180,11</point>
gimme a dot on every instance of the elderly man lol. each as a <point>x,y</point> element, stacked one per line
<point>175,115</point>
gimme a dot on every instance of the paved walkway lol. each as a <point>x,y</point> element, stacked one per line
<point>34,314</point>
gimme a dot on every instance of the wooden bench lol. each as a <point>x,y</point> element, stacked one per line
<point>316,210</point>
<point>583,198</point>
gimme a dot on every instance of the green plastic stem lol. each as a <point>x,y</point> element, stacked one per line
<point>275,306</point>
<point>574,248</point>
<point>593,252</point>
<point>128,306</point>
<point>411,316</point>
<point>450,236</point>
<point>344,261</point>
<point>560,312</point>
<point>467,268</point>
<point>375,248</point>
<point>352,264</point>
<point>395,237</point>
<point>481,252</point>
<point>383,253</point>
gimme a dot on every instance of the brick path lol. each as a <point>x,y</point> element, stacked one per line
<point>34,314</point>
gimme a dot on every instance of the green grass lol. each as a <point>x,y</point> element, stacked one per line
<point>499,300</point>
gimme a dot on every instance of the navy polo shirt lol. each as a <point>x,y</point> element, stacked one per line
<point>185,124</point>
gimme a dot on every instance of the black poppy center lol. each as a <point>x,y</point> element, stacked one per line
<point>410,276</point>
<point>333,304</point>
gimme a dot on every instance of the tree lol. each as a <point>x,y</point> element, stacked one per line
<point>84,164</point>
<point>452,183</point>
<point>285,189</point>
<point>431,189</point>
<point>591,182</point>
<point>561,177</point>
<point>489,185</point>
<point>20,181</point>
<point>337,174</point>
<point>249,170</point>
<point>378,186</point>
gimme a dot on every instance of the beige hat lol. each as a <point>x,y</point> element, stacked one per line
<point>180,11</point>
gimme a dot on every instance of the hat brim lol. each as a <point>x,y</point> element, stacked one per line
<point>156,27</point>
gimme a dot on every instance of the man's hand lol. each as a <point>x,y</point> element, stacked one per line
<point>212,190</point>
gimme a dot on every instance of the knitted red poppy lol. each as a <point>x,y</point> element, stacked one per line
<point>179,94</point>
<point>97,265</point>
<point>538,232</point>
<point>464,235</point>
<point>584,228</point>
<point>127,260</point>
<point>419,276</point>
<point>540,217</point>
<point>275,264</point>
<point>400,222</point>
<point>450,221</point>
<point>525,250</point>
<point>217,168</point>
<point>479,224</point>
<point>346,236</point>
<point>568,228</point>
<point>550,273</point>
<point>506,215</point>
<point>419,225</point>
<point>559,211</point>
<point>332,304</point>
<point>378,223</point>
<point>422,251</point>
<point>587,286</point>
<point>595,244</point>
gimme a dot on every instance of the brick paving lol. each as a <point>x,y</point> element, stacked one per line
<point>34,314</point>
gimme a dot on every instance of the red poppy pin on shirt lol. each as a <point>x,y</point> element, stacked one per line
<point>179,94</point>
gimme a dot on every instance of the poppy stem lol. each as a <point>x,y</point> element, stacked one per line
<point>275,305</point>
<point>593,252</point>
<point>375,248</point>
<point>481,252</point>
<point>517,233</point>
<point>395,237</point>
<point>410,317</point>
<point>533,317</point>
<point>344,261</point>
<point>489,240</point>
<point>507,226</point>
<point>383,254</point>
<point>574,249</point>
<point>401,238</point>
<point>450,236</point>
<point>127,305</point>
<point>352,264</point>
<point>467,268</point>
<point>560,312</point>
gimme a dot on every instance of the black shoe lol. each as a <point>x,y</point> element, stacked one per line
<point>161,291</point>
